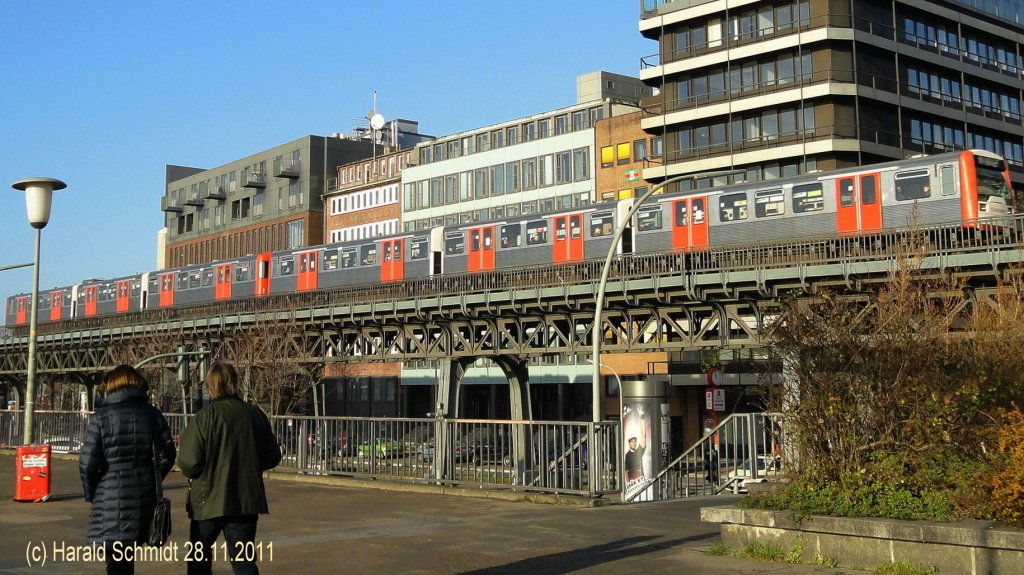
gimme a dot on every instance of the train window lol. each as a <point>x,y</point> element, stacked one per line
<point>732,207</point>
<point>207,277</point>
<point>511,236</point>
<point>679,210</point>
<point>698,210</point>
<point>398,250</point>
<point>330,260</point>
<point>648,219</point>
<point>536,232</point>
<point>948,179</point>
<point>600,224</point>
<point>574,226</point>
<point>387,251</point>
<point>348,257</point>
<point>913,185</point>
<point>194,279</point>
<point>368,254</point>
<point>559,228</point>
<point>182,281</point>
<point>454,243</point>
<point>769,203</point>
<point>868,190</point>
<point>846,196</point>
<point>44,303</point>
<point>418,250</point>
<point>287,266</point>
<point>474,240</point>
<point>242,273</point>
<point>808,198</point>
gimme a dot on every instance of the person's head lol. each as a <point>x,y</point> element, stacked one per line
<point>222,380</point>
<point>632,443</point>
<point>124,376</point>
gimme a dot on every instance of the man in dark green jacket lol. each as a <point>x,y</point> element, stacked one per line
<point>224,451</point>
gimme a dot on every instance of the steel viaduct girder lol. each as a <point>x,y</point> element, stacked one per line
<point>654,302</point>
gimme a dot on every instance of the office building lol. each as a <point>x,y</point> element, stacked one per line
<point>786,87</point>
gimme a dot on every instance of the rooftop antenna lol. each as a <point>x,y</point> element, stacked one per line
<point>376,123</point>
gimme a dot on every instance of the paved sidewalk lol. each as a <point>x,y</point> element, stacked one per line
<point>319,528</point>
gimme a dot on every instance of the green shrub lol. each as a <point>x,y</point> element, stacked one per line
<point>719,549</point>
<point>763,552</point>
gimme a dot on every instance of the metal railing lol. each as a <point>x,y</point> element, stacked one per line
<point>540,456</point>
<point>744,449</point>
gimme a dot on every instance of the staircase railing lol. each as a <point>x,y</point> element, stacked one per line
<point>743,449</point>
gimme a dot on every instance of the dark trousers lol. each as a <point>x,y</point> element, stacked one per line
<point>238,530</point>
<point>123,567</point>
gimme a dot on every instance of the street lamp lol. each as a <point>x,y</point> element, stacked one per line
<point>597,332</point>
<point>38,193</point>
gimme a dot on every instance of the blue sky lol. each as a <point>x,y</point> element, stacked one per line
<point>104,94</point>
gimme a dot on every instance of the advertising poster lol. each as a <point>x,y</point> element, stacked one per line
<point>636,459</point>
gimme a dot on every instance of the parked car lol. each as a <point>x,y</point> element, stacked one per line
<point>768,469</point>
<point>491,452</point>
<point>460,451</point>
<point>383,448</point>
<point>64,445</point>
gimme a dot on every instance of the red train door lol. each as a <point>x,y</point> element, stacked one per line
<point>22,304</point>
<point>858,205</point>
<point>222,282</point>
<point>166,290</point>
<point>263,274</point>
<point>307,271</point>
<point>56,303</point>
<point>689,224</point>
<point>481,249</point>
<point>392,269</point>
<point>568,242</point>
<point>91,297</point>
<point>123,295</point>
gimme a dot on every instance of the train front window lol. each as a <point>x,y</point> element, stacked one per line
<point>991,183</point>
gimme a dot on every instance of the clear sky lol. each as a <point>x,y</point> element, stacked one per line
<point>103,94</point>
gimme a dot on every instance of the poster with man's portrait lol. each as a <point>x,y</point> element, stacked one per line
<point>636,459</point>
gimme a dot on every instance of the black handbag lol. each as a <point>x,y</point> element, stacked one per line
<point>160,526</point>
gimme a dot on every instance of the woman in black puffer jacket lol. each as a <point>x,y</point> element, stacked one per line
<point>117,466</point>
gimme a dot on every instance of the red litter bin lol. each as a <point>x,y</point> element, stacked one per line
<point>33,469</point>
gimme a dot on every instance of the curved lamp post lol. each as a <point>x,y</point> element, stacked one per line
<point>598,332</point>
<point>38,193</point>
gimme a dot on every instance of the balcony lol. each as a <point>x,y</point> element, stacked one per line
<point>254,180</point>
<point>217,192</point>
<point>168,204</point>
<point>287,168</point>
<point>194,199</point>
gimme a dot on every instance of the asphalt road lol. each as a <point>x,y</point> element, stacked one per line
<point>318,527</point>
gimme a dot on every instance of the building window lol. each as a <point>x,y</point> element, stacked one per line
<point>622,153</point>
<point>580,164</point>
<point>607,156</point>
<point>639,150</point>
<point>295,234</point>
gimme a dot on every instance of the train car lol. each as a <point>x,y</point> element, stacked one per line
<point>97,297</point>
<point>232,279</point>
<point>971,187</point>
<point>373,260</point>
<point>55,304</point>
<point>534,239</point>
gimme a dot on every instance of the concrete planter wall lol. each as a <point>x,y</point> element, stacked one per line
<point>970,547</point>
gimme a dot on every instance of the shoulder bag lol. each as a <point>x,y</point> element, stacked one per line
<point>160,526</point>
